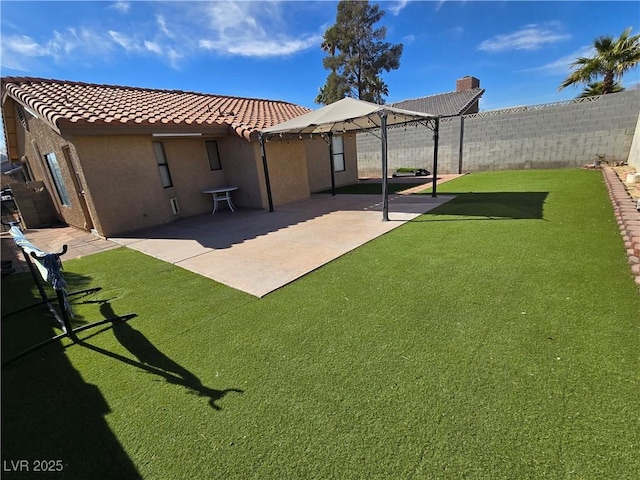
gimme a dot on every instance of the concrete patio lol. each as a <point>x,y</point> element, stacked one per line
<point>252,250</point>
<point>258,252</point>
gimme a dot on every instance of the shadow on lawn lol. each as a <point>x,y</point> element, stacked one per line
<point>494,205</point>
<point>152,360</point>
<point>49,412</point>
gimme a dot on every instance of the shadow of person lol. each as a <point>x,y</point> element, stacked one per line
<point>154,361</point>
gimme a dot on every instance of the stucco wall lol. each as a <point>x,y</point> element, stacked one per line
<point>191,173</point>
<point>566,134</point>
<point>123,182</point>
<point>38,141</point>
<point>319,164</point>
<point>242,164</point>
<point>125,167</point>
<point>287,170</point>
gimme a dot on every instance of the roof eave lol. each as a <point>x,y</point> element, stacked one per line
<point>109,128</point>
<point>475,98</point>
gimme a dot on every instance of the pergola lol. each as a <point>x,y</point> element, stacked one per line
<point>351,115</point>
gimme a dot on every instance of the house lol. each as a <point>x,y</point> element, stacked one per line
<point>464,101</point>
<point>116,159</point>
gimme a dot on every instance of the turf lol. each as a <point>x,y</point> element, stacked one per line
<point>496,337</point>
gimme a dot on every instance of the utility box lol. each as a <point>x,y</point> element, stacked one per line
<point>34,204</point>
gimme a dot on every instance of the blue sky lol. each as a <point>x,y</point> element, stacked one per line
<point>519,50</point>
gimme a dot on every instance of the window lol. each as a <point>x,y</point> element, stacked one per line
<point>338,154</point>
<point>56,174</point>
<point>214,155</point>
<point>161,158</point>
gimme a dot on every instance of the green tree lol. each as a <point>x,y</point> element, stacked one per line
<point>597,88</point>
<point>612,58</point>
<point>357,54</point>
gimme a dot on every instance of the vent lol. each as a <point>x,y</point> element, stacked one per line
<point>22,118</point>
<point>175,208</point>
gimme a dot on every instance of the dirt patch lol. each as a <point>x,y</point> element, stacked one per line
<point>622,171</point>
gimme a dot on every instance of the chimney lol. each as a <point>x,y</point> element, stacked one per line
<point>467,83</point>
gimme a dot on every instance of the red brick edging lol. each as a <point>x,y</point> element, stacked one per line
<point>628,218</point>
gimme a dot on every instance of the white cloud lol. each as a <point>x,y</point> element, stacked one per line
<point>561,65</point>
<point>23,45</point>
<point>260,47</point>
<point>153,47</point>
<point>122,7</point>
<point>397,7</point>
<point>529,37</point>
<point>180,30</point>
<point>122,40</point>
<point>20,51</point>
<point>408,39</point>
<point>163,27</point>
<point>252,30</point>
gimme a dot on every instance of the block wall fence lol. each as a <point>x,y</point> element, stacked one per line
<point>564,134</point>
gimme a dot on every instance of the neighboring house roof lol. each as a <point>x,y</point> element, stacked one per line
<point>66,103</point>
<point>443,104</point>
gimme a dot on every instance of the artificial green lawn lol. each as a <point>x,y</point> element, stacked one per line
<point>497,337</point>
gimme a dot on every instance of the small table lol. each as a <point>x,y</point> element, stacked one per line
<point>221,193</point>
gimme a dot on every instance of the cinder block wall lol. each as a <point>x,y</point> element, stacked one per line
<point>566,134</point>
<point>634,154</point>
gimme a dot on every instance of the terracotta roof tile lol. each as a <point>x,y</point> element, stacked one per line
<point>61,102</point>
<point>444,104</point>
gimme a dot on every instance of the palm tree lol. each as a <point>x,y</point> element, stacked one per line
<point>612,59</point>
<point>597,88</point>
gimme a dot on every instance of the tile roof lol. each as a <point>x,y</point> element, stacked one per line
<point>63,103</point>
<point>444,104</point>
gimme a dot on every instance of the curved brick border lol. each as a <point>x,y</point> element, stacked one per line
<point>628,217</point>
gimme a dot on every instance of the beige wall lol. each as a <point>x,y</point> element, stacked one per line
<point>319,164</point>
<point>123,181</point>
<point>37,142</point>
<point>242,164</point>
<point>287,170</point>
<point>191,173</point>
<point>142,199</point>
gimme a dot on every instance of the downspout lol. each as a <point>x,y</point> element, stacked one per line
<point>383,136</point>
<point>266,170</point>
<point>436,134</point>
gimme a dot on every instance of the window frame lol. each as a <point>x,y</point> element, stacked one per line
<point>163,165</point>
<point>339,164</point>
<point>215,164</point>
<point>58,180</point>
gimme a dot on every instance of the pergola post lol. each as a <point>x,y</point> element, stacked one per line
<point>332,163</point>
<point>383,137</point>
<point>263,152</point>
<point>436,130</point>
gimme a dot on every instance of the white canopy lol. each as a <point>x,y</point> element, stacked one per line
<point>346,115</point>
<point>350,115</point>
